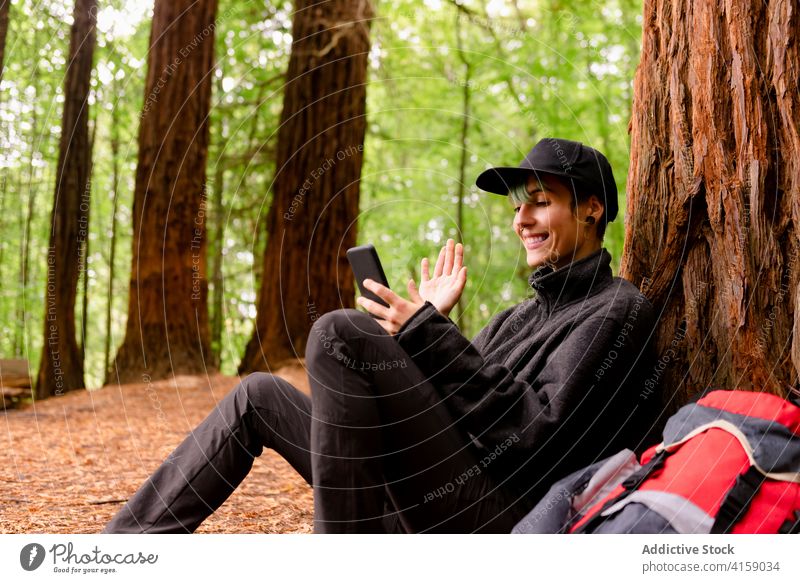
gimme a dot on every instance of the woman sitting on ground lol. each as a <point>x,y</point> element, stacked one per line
<point>449,435</point>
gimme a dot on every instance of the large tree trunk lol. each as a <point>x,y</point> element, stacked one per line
<point>312,220</point>
<point>61,366</point>
<point>167,329</point>
<point>714,192</point>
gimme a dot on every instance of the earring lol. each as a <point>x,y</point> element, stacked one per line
<point>590,220</point>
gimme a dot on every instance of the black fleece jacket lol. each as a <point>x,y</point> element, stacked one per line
<point>553,383</point>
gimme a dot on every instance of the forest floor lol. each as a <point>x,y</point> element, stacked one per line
<point>69,463</point>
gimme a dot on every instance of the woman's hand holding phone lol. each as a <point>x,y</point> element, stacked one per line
<point>442,290</point>
<point>449,278</point>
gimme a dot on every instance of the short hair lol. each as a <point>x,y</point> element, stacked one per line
<point>518,194</point>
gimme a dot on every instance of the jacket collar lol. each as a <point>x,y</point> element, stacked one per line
<point>579,279</point>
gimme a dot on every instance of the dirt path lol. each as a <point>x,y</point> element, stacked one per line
<point>67,464</point>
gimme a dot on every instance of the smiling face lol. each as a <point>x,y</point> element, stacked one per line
<point>548,226</point>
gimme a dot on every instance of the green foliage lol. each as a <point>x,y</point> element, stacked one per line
<point>31,99</point>
<point>531,69</point>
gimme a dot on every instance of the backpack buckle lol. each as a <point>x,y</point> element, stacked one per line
<point>636,479</point>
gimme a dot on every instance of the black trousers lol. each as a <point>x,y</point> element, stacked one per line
<point>375,441</point>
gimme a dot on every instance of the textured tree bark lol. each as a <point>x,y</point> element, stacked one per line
<point>312,220</point>
<point>61,365</point>
<point>167,330</point>
<point>714,192</point>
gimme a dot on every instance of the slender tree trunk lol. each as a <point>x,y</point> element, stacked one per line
<point>3,194</point>
<point>115,172</point>
<point>85,253</point>
<point>167,330</point>
<point>224,163</point>
<point>17,306</point>
<point>713,232</point>
<point>216,268</point>
<point>61,366</point>
<point>217,233</point>
<point>26,218</point>
<point>25,255</point>
<point>462,165</point>
<point>312,220</point>
<point>259,248</point>
<point>4,8</point>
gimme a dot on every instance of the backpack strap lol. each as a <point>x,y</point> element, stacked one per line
<point>791,526</point>
<point>792,475</point>
<point>631,484</point>
<point>738,500</point>
<point>680,513</point>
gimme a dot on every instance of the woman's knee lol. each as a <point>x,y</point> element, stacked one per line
<point>263,390</point>
<point>345,322</point>
<point>333,330</point>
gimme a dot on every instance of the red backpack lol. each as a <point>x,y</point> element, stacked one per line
<point>729,463</point>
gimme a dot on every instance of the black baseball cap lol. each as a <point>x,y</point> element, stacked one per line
<point>588,169</point>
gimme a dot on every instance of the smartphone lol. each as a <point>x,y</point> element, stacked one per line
<point>366,265</point>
